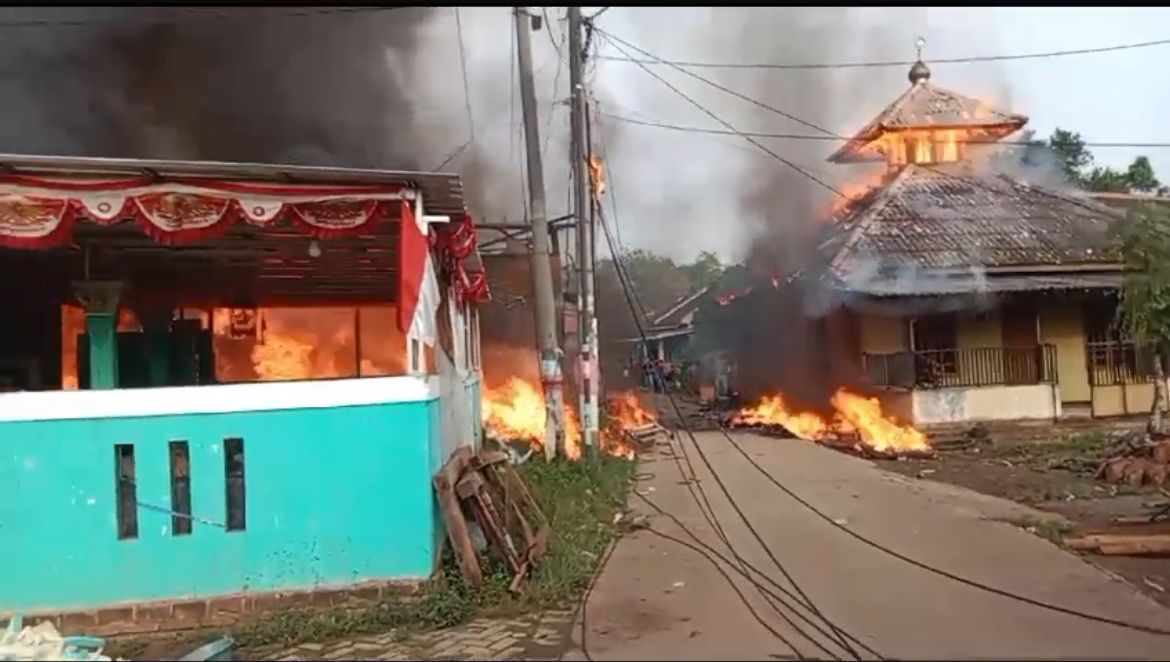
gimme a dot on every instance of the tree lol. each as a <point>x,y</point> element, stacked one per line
<point>1072,153</point>
<point>1103,179</point>
<point>1140,176</point>
<point>1145,297</point>
<point>704,271</point>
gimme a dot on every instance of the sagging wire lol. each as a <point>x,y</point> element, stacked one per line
<point>701,498</point>
<point>896,63</point>
<point>890,552</point>
<point>1092,207</point>
<point>803,171</point>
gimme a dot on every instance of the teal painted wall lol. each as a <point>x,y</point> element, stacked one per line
<point>334,496</point>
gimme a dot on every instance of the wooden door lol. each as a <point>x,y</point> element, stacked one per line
<point>1022,355</point>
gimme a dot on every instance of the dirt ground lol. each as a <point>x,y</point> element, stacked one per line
<point>1037,473</point>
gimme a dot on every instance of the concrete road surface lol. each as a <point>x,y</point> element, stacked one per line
<point>658,600</point>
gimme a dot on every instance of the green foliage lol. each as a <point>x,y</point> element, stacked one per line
<point>705,271</point>
<point>1070,149</point>
<point>579,498</point>
<point>1145,298</point>
<point>1140,176</point>
<point>1077,163</point>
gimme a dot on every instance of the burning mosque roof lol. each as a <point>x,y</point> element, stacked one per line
<point>927,108</point>
<point>954,224</point>
<point>936,226</point>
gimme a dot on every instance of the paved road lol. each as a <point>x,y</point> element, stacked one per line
<point>658,600</point>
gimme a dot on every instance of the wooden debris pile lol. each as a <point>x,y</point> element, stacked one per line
<point>489,512</point>
<point>644,437</point>
<point>1136,458</point>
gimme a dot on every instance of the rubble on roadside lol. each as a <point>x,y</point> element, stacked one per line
<point>44,642</point>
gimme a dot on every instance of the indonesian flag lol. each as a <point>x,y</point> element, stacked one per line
<point>418,288</point>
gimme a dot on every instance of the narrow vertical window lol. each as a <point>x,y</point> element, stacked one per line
<point>180,489</point>
<point>233,462</point>
<point>126,491</point>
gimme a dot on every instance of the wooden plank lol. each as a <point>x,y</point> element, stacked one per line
<point>1119,545</point>
<point>456,524</point>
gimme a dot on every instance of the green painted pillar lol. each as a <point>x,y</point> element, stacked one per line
<point>101,299</point>
<point>156,326</point>
<point>102,330</point>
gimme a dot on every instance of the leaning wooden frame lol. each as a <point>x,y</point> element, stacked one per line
<point>484,491</point>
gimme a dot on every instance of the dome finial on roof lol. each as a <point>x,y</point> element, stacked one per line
<point>919,72</point>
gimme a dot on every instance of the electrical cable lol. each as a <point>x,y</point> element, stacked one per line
<point>711,83</point>
<point>584,605</point>
<point>897,63</point>
<point>727,124</point>
<point>693,480</point>
<point>938,571</point>
<point>463,67</point>
<point>805,136</point>
<point>712,518</point>
<point>914,562</point>
<point>698,543</point>
<point>629,290</point>
<point>875,545</point>
<point>1092,207</point>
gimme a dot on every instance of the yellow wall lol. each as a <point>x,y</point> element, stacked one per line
<point>978,331</point>
<point>1122,399</point>
<point>1062,326</point>
<point>883,335</point>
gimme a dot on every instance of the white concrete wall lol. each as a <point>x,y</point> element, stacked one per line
<point>986,403</point>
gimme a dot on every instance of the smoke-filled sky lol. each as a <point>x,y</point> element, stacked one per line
<point>385,89</point>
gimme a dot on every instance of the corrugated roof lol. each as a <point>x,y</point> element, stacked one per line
<point>925,284</point>
<point>936,218</point>
<point>925,106</point>
<point>442,192</point>
<point>679,310</point>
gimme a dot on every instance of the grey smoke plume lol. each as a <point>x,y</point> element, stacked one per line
<point>732,197</point>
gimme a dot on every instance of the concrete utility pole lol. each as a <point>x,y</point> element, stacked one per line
<point>542,277</point>
<point>588,373</point>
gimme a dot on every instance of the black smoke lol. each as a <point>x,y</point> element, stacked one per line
<point>295,85</point>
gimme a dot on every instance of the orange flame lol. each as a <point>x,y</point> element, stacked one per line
<point>726,299</point>
<point>922,146</point>
<point>516,411</point>
<point>855,414</point>
<point>877,430</point>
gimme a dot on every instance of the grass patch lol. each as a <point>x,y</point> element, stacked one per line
<point>1050,528</point>
<point>579,498</point>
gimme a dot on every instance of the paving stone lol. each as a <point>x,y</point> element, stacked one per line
<point>522,638</point>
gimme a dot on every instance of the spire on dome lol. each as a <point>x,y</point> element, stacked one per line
<point>919,72</point>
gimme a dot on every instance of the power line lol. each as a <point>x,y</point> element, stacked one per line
<point>626,287</point>
<point>195,14</point>
<point>463,67</point>
<point>597,14</point>
<point>931,569</point>
<point>758,144</point>
<point>632,299</point>
<point>630,294</point>
<point>891,63</point>
<point>711,83</point>
<point>935,169</point>
<point>805,136</point>
<point>715,554</point>
<point>691,481</point>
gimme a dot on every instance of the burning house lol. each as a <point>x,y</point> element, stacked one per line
<point>668,334</point>
<point>238,470</point>
<point>960,294</point>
